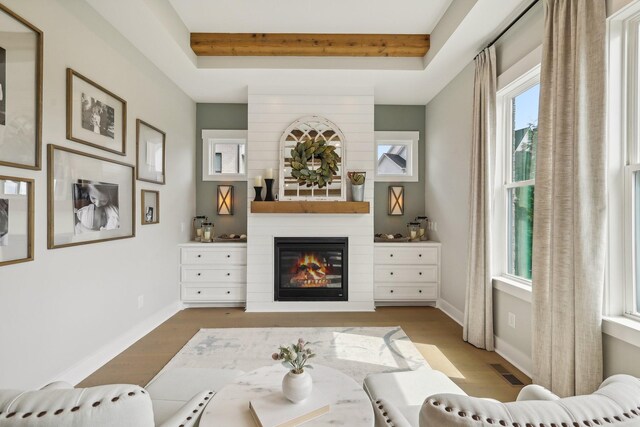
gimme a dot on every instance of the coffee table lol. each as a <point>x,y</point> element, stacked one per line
<point>350,405</point>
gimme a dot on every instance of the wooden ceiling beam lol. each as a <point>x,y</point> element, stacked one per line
<point>284,44</point>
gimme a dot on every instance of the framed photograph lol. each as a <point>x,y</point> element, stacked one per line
<point>16,220</point>
<point>90,199</point>
<point>150,207</point>
<point>20,92</point>
<point>397,156</point>
<point>95,116</point>
<point>150,158</point>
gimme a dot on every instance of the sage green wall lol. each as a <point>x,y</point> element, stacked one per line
<point>220,116</point>
<point>234,116</point>
<point>400,118</point>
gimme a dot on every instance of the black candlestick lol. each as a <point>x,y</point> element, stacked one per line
<point>269,196</point>
<point>258,194</point>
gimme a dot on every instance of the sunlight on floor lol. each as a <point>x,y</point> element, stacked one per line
<point>358,348</point>
<point>438,360</point>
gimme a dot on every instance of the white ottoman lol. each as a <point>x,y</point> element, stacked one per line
<point>400,394</point>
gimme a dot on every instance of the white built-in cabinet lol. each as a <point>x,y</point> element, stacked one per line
<point>406,273</point>
<point>213,273</point>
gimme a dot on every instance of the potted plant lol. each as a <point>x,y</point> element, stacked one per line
<point>357,185</point>
<point>297,383</point>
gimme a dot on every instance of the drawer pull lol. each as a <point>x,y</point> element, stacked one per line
<point>228,274</point>
<point>199,274</point>
<point>199,256</point>
<point>391,273</point>
<point>420,291</point>
<point>228,292</point>
<point>420,255</point>
<point>420,273</point>
<point>228,256</point>
<point>391,255</point>
<point>199,292</point>
<point>391,291</point>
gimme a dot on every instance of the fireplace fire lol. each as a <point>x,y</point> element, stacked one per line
<point>310,269</point>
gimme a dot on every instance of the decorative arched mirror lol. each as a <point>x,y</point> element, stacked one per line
<point>311,161</point>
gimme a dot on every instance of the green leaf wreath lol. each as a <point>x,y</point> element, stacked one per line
<point>308,149</point>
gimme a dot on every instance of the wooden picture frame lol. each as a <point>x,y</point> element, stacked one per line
<point>84,203</point>
<point>20,101</point>
<point>13,243</point>
<point>145,206</point>
<point>150,140</point>
<point>95,116</point>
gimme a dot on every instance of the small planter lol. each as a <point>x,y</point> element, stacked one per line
<point>297,387</point>
<point>357,185</point>
<point>357,193</point>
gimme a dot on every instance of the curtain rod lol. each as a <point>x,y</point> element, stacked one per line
<point>524,12</point>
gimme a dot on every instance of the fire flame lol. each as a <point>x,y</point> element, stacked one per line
<point>310,272</point>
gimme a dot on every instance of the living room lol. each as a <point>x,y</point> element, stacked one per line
<point>379,205</point>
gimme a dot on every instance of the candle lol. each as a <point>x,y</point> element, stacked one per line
<point>269,173</point>
<point>257,181</point>
<point>421,232</point>
<point>207,235</point>
<point>198,232</point>
<point>413,234</point>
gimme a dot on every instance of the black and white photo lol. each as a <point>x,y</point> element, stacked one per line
<point>149,215</point>
<point>4,222</point>
<point>95,207</point>
<point>3,86</point>
<point>97,116</point>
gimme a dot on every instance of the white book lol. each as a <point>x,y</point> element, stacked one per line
<point>275,410</point>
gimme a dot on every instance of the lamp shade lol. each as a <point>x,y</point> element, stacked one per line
<point>396,200</point>
<point>225,200</point>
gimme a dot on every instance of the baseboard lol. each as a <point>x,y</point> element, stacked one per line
<point>451,311</point>
<point>514,356</point>
<point>87,366</point>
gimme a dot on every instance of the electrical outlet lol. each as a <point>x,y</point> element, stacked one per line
<point>140,301</point>
<point>512,320</point>
<point>435,226</point>
<point>182,227</point>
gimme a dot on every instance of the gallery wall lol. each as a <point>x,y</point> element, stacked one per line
<point>64,313</point>
<point>234,117</point>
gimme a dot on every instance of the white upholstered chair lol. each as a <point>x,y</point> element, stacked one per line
<point>616,403</point>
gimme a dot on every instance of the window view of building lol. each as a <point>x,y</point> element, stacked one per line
<point>521,188</point>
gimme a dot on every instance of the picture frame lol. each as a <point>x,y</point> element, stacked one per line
<point>21,58</point>
<point>150,153</point>
<point>95,116</point>
<point>396,156</point>
<point>17,197</point>
<point>90,199</point>
<point>149,207</point>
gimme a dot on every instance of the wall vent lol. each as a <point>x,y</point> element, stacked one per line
<point>508,376</point>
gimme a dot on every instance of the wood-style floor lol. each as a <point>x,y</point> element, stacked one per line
<point>435,335</point>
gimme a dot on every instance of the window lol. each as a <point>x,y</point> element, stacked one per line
<point>224,155</point>
<point>397,156</point>
<point>516,145</point>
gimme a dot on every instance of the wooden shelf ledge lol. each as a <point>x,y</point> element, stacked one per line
<point>310,207</point>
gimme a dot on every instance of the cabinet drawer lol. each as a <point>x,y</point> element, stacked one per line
<point>387,255</point>
<point>403,273</point>
<point>220,256</point>
<point>213,294</point>
<point>406,293</point>
<point>232,274</point>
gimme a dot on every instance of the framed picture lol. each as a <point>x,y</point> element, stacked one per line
<point>95,116</point>
<point>150,207</point>
<point>150,158</point>
<point>20,92</point>
<point>90,199</point>
<point>16,220</point>
<point>397,156</point>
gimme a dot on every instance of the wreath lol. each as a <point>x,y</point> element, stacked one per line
<point>309,149</point>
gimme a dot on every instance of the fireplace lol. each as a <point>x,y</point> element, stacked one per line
<point>311,268</point>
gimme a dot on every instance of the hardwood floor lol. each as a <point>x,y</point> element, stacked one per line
<point>435,335</point>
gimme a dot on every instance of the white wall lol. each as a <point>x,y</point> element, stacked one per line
<point>63,309</point>
<point>271,111</point>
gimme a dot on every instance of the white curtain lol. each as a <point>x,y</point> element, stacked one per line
<point>569,238</point>
<point>478,313</point>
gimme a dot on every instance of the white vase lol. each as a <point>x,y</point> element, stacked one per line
<point>297,387</point>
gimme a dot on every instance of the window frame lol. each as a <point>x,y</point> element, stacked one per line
<point>211,137</point>
<point>504,177</point>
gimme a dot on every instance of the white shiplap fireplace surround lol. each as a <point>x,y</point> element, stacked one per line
<point>271,111</point>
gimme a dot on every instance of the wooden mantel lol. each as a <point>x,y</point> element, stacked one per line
<point>310,207</point>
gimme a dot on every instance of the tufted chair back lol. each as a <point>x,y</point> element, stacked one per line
<point>616,403</point>
<point>102,406</point>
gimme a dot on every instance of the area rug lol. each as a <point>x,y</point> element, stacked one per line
<point>355,351</point>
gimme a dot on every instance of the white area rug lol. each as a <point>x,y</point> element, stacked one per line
<point>354,351</point>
